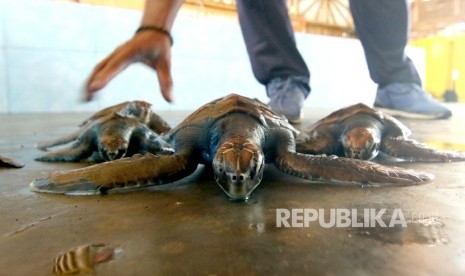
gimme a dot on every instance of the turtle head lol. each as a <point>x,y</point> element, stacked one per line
<point>238,166</point>
<point>139,110</point>
<point>361,143</point>
<point>112,147</point>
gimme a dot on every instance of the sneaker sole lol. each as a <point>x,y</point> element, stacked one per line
<point>410,115</point>
<point>295,121</point>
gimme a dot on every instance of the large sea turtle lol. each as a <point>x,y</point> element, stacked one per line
<point>114,132</point>
<point>237,135</point>
<point>361,132</point>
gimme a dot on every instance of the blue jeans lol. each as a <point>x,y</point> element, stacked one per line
<point>381,25</point>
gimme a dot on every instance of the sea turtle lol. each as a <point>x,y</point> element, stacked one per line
<point>140,110</point>
<point>9,163</point>
<point>114,132</point>
<point>361,132</point>
<point>237,135</point>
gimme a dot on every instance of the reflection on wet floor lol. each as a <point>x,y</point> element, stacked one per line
<point>429,231</point>
<point>446,145</point>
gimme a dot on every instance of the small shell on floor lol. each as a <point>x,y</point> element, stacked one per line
<point>9,163</point>
<point>82,259</point>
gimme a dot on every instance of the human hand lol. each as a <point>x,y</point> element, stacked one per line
<point>150,48</point>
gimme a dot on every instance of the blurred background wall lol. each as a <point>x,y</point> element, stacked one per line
<point>48,48</point>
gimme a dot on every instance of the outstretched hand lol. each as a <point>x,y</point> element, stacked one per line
<point>151,48</point>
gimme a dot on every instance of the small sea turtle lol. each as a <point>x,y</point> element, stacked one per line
<point>237,135</point>
<point>140,110</point>
<point>361,132</point>
<point>9,163</point>
<point>114,132</point>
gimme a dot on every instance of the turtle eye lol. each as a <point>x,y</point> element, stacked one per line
<point>221,171</point>
<point>256,169</point>
<point>253,171</point>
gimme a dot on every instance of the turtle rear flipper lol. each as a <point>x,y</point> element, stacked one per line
<point>157,124</point>
<point>132,172</point>
<point>411,150</point>
<point>346,170</point>
<point>9,163</point>
<point>319,144</point>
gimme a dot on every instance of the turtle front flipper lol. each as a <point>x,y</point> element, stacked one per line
<point>74,153</point>
<point>132,172</point>
<point>346,170</point>
<point>411,150</point>
<point>145,140</point>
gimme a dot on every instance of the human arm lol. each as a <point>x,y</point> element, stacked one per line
<point>152,48</point>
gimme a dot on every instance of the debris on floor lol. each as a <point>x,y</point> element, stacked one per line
<point>9,163</point>
<point>82,259</point>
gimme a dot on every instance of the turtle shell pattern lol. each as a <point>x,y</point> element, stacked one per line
<point>391,125</point>
<point>233,103</point>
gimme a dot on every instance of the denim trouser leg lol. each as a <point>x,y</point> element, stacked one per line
<point>382,26</point>
<point>270,41</point>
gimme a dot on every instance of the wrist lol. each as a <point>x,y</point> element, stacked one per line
<point>152,28</point>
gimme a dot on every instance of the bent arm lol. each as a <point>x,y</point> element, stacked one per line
<point>149,47</point>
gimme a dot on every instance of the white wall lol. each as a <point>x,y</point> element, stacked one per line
<point>48,48</point>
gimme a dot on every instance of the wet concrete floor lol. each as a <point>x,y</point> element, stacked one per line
<point>191,228</point>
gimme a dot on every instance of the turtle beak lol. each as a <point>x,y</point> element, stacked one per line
<point>111,148</point>
<point>112,155</point>
<point>238,168</point>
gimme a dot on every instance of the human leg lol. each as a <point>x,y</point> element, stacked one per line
<point>273,53</point>
<point>382,26</point>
